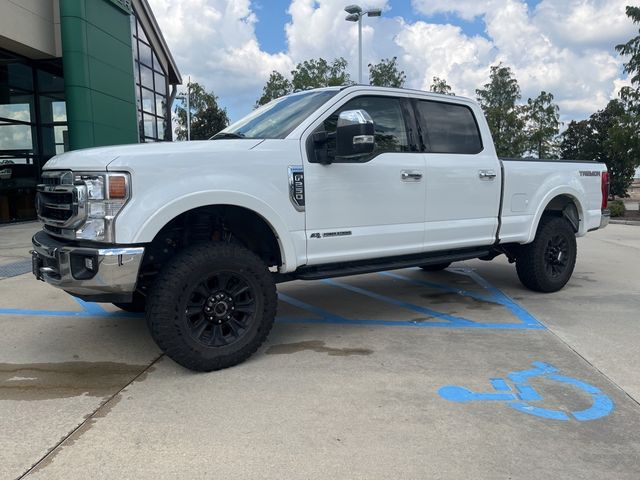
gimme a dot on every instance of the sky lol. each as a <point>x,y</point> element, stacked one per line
<point>565,47</point>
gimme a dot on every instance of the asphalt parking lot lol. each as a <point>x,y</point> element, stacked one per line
<point>405,374</point>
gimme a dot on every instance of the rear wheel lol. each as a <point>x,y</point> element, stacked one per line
<point>212,306</point>
<point>546,264</point>
<point>435,268</point>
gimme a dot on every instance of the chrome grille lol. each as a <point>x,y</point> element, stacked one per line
<point>60,204</point>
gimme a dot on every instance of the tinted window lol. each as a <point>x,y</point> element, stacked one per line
<point>448,128</point>
<point>390,130</point>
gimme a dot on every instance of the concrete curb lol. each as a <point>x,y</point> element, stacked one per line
<point>625,222</point>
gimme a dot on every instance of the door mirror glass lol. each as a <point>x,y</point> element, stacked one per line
<point>354,134</point>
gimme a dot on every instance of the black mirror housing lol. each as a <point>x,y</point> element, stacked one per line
<point>354,134</point>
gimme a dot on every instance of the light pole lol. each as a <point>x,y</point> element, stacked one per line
<point>355,15</point>
<point>187,97</point>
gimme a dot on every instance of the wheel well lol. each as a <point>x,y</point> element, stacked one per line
<point>221,223</point>
<point>565,206</point>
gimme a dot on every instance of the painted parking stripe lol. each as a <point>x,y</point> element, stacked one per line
<point>321,315</point>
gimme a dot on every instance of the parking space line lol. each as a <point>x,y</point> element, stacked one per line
<point>444,288</point>
<point>400,303</point>
<point>441,320</point>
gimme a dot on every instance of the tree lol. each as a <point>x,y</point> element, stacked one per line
<point>605,137</point>
<point>498,100</point>
<point>207,118</point>
<point>313,73</point>
<point>576,141</point>
<point>316,73</point>
<point>632,48</point>
<point>440,85</point>
<point>277,86</point>
<point>625,136</point>
<point>542,125</point>
<point>386,73</point>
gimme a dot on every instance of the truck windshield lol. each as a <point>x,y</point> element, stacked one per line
<point>278,118</point>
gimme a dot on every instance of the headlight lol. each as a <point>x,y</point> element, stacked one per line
<point>107,193</point>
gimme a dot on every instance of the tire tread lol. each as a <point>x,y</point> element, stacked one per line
<point>163,317</point>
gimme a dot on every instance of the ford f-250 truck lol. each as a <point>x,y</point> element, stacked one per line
<point>321,183</point>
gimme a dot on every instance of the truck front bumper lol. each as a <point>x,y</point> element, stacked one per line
<point>95,274</point>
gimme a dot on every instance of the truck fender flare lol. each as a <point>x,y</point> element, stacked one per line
<point>147,232</point>
<point>574,214</point>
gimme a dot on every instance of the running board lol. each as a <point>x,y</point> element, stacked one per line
<point>380,265</point>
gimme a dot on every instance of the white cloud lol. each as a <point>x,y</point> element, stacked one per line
<point>214,41</point>
<point>562,46</point>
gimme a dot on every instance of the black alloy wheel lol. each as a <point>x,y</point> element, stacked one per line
<point>556,256</point>
<point>546,264</point>
<point>220,309</point>
<point>212,306</point>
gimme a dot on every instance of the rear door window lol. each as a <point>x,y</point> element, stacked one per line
<point>448,128</point>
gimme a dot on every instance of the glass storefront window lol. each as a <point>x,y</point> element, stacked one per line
<point>15,137</point>
<point>148,101</point>
<point>20,112</point>
<point>32,129</point>
<point>146,77</point>
<point>145,54</point>
<point>151,89</point>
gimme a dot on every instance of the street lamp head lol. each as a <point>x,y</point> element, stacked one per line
<point>353,9</point>
<point>352,17</point>
<point>374,12</point>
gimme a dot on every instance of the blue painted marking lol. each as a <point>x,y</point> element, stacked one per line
<point>400,303</point>
<point>91,308</point>
<point>539,370</point>
<point>539,411</point>
<point>500,385</point>
<point>524,316</point>
<point>444,288</point>
<point>601,404</point>
<point>88,310</point>
<point>601,407</point>
<point>437,320</point>
<point>454,393</point>
<point>310,308</point>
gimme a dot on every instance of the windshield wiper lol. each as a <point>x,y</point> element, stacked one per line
<point>227,135</point>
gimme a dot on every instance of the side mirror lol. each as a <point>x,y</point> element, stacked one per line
<point>354,134</point>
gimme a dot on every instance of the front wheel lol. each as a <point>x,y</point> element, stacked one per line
<point>212,306</point>
<point>546,264</point>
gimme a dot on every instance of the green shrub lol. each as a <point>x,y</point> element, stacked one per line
<point>617,208</point>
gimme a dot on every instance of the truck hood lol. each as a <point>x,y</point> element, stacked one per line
<point>98,159</point>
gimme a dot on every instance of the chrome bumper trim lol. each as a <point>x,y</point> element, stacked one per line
<point>116,272</point>
<point>606,216</point>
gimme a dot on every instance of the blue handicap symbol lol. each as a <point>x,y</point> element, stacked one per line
<point>522,393</point>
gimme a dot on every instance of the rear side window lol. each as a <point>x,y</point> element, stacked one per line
<point>448,128</point>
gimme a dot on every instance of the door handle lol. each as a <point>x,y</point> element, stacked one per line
<point>486,174</point>
<point>410,175</point>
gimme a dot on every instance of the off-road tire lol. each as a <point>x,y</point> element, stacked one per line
<point>435,268</point>
<point>540,265</point>
<point>174,320</point>
<point>137,304</point>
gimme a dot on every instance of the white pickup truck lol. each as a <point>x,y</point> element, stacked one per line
<point>322,183</point>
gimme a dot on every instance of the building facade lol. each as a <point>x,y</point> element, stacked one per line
<point>76,74</point>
